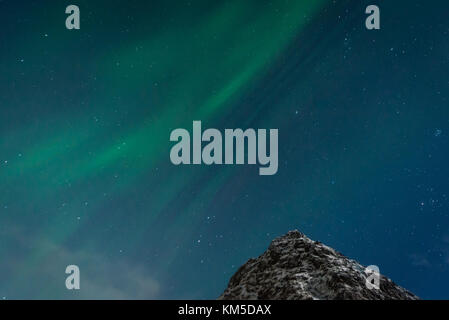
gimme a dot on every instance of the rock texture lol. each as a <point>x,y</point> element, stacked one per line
<point>295,267</point>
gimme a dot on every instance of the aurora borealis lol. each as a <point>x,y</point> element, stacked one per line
<point>86,116</point>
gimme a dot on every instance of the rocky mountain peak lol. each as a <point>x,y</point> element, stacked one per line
<point>295,267</point>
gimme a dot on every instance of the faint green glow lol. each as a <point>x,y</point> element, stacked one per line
<point>191,73</point>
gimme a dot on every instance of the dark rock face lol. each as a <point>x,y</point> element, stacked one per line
<point>295,268</point>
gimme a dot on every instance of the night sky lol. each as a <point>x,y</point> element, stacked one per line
<point>86,116</point>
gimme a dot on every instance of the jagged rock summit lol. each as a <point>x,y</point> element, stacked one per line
<point>295,268</point>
